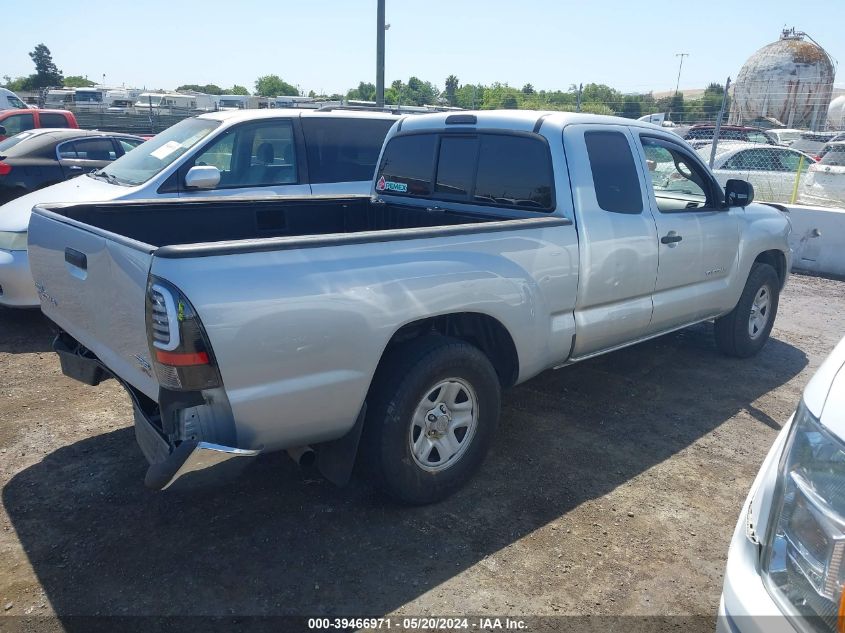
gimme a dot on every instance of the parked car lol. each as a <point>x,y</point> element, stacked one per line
<point>772,170</point>
<point>16,121</point>
<point>494,245</point>
<point>785,136</point>
<point>10,101</point>
<point>38,158</point>
<point>813,143</point>
<point>785,566</point>
<point>825,182</point>
<point>706,131</point>
<point>244,152</point>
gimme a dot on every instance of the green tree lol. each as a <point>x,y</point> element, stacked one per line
<point>451,89</point>
<point>209,89</point>
<point>19,83</point>
<point>237,90</point>
<point>46,71</point>
<point>631,107</point>
<point>528,89</point>
<point>274,86</point>
<point>78,81</point>
<point>676,107</point>
<point>364,92</point>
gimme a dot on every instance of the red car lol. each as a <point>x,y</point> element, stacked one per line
<point>15,121</point>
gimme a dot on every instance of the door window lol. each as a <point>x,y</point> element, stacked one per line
<point>99,149</point>
<point>678,181</point>
<point>615,178</point>
<point>791,160</point>
<point>254,155</point>
<point>17,123</point>
<point>756,160</point>
<point>51,119</point>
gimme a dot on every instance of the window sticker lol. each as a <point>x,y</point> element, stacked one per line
<point>389,185</point>
<point>166,150</point>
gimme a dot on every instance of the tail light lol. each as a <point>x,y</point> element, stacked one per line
<point>5,169</point>
<point>181,354</point>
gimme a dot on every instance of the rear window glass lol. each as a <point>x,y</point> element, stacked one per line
<point>514,171</point>
<point>456,165</point>
<point>343,149</point>
<point>51,119</point>
<point>407,165</point>
<point>834,156</point>
<point>614,172</point>
<point>7,144</point>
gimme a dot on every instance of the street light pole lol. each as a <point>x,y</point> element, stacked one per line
<point>380,28</point>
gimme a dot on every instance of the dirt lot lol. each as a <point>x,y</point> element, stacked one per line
<point>613,488</point>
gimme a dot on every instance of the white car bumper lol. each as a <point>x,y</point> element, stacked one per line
<point>16,286</point>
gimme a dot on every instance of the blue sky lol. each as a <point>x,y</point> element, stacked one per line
<point>329,45</point>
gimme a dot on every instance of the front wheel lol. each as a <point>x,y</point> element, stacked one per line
<point>743,331</point>
<point>432,414</point>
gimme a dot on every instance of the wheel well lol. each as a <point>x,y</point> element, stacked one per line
<point>777,260</point>
<point>481,330</point>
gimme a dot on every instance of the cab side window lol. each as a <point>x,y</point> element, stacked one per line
<point>52,119</point>
<point>615,179</point>
<point>679,183</point>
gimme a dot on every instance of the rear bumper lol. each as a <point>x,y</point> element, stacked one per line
<point>16,286</point>
<point>192,462</point>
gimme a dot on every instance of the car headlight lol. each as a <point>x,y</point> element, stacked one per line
<point>804,559</point>
<point>13,241</point>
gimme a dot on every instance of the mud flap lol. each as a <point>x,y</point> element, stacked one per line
<point>336,459</point>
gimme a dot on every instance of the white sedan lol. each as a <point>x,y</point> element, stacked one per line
<point>825,182</point>
<point>786,567</point>
<point>771,169</point>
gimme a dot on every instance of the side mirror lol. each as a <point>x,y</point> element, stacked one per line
<point>202,177</point>
<point>2,131</point>
<point>738,193</point>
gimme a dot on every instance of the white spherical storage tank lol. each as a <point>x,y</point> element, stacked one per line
<point>836,114</point>
<point>790,80</point>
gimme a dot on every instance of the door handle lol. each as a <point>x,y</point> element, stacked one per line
<point>75,258</point>
<point>75,168</point>
<point>671,238</point>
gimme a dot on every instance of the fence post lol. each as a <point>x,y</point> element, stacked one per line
<point>797,179</point>
<point>719,123</point>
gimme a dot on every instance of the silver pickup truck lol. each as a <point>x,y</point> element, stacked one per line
<point>381,329</point>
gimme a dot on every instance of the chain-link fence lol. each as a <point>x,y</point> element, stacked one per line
<point>786,166</point>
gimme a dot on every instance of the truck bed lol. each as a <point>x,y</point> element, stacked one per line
<point>173,223</point>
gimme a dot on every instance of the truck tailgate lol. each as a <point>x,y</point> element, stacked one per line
<point>94,288</point>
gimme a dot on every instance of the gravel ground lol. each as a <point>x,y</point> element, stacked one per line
<point>613,488</point>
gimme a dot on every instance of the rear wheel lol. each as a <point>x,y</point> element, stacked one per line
<point>743,331</point>
<point>432,414</point>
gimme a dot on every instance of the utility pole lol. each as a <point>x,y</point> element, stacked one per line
<point>380,29</point>
<point>578,102</point>
<point>680,66</point>
<point>719,123</point>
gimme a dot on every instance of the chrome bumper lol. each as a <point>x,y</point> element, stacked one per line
<point>192,462</point>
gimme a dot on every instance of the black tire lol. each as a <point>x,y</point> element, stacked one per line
<point>405,376</point>
<point>733,337</point>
